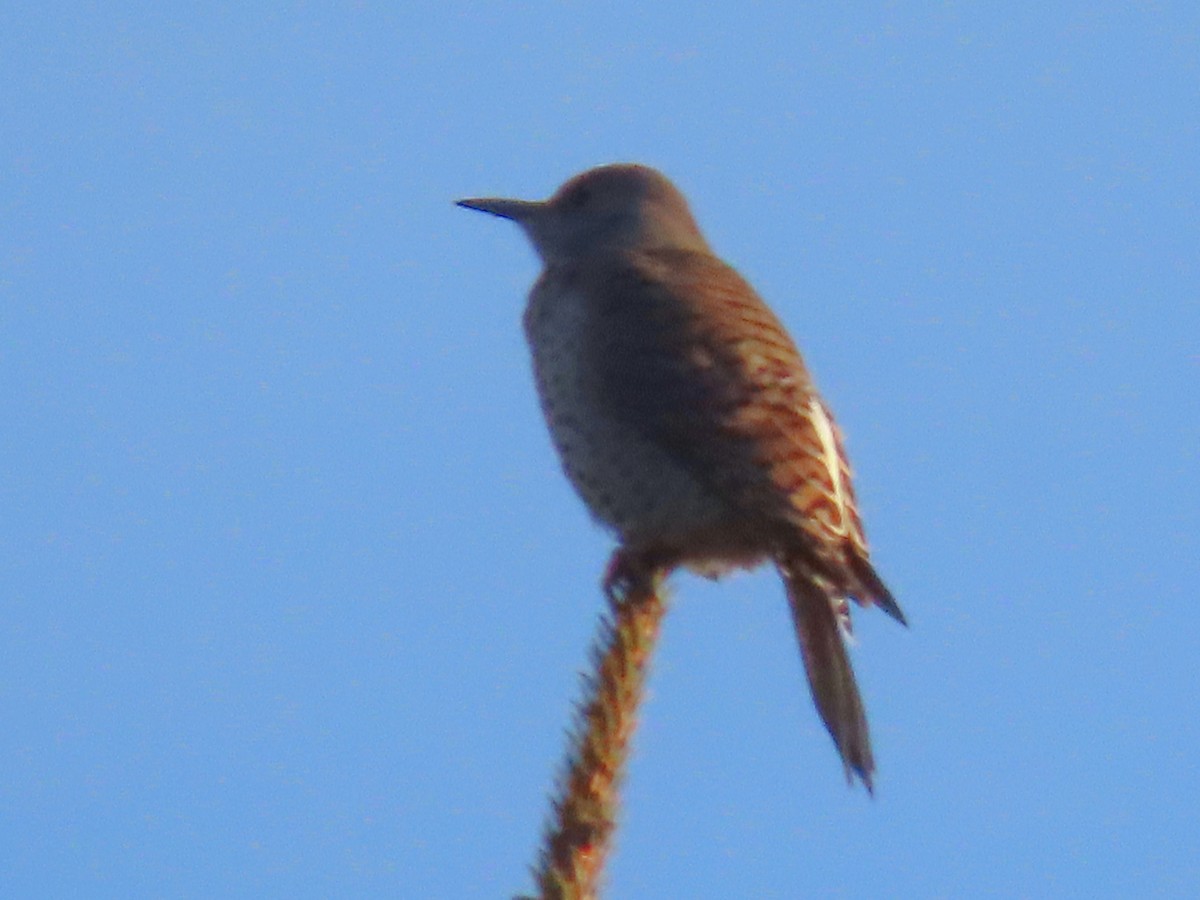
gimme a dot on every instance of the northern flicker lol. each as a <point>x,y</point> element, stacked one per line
<point>686,420</point>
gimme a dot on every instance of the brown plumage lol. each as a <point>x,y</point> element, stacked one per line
<point>686,420</point>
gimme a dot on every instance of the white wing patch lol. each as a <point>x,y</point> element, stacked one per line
<point>832,457</point>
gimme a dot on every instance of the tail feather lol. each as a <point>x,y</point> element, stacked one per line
<point>873,585</point>
<point>829,673</point>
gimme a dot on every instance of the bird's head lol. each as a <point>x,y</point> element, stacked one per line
<point>603,210</point>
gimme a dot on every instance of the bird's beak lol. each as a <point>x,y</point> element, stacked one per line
<point>517,210</point>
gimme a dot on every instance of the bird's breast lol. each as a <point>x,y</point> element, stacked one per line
<point>626,481</point>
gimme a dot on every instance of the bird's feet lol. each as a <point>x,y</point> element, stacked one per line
<point>631,574</point>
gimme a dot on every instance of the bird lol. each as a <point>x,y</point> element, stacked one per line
<point>685,418</point>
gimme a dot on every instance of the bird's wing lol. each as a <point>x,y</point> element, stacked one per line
<point>686,353</point>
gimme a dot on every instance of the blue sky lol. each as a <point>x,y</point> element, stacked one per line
<point>294,594</point>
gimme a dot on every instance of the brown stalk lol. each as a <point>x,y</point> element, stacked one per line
<point>584,813</point>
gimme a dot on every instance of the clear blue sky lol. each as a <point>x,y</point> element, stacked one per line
<point>294,595</point>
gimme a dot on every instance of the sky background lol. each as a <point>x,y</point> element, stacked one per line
<point>293,596</point>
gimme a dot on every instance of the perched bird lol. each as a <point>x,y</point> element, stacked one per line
<point>685,418</point>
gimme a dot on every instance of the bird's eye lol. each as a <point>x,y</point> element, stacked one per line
<point>581,197</point>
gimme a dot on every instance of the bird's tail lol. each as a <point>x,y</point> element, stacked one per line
<point>830,676</point>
